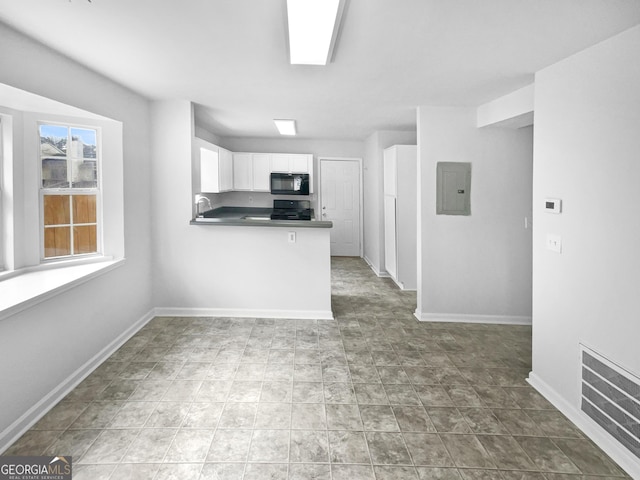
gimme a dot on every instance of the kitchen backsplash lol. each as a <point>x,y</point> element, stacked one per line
<point>253,199</point>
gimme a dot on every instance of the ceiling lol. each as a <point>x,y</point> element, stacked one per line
<point>230,57</point>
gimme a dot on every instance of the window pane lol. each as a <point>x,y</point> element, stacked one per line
<point>53,141</point>
<point>54,172</point>
<point>83,143</point>
<point>56,210</point>
<point>84,209</point>
<point>57,241</point>
<point>85,239</point>
<point>83,173</point>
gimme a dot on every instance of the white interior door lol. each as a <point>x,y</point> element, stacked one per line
<point>340,203</point>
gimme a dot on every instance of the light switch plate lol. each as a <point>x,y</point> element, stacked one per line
<point>554,243</point>
<point>292,237</point>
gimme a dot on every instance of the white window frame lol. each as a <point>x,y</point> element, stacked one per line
<point>71,191</point>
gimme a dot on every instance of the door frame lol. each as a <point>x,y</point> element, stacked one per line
<point>361,205</point>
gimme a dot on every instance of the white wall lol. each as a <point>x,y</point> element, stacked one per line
<point>40,348</point>
<point>587,150</point>
<point>226,271</point>
<point>373,192</point>
<point>477,267</point>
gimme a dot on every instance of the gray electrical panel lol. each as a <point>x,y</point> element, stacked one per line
<point>453,188</point>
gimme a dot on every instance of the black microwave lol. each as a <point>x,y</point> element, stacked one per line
<point>290,184</point>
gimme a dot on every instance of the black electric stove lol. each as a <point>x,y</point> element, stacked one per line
<point>292,210</point>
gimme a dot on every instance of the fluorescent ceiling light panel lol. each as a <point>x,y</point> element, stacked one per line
<point>312,30</point>
<point>286,127</point>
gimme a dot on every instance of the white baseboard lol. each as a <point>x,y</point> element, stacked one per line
<point>401,285</point>
<point>381,274</point>
<point>625,459</point>
<point>14,431</point>
<point>244,313</point>
<point>466,318</point>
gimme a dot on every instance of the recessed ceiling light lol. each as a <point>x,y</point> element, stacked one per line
<point>286,127</point>
<point>313,26</point>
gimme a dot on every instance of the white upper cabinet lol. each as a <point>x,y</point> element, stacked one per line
<point>261,172</point>
<point>209,170</point>
<point>279,162</point>
<point>226,170</point>
<point>291,162</point>
<point>242,171</point>
<point>251,172</point>
<point>300,163</point>
<point>216,170</point>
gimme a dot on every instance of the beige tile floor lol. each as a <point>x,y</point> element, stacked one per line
<point>373,394</point>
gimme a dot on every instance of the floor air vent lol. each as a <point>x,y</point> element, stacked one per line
<point>611,397</point>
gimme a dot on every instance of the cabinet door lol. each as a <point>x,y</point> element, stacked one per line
<point>280,162</point>
<point>299,164</point>
<point>209,171</point>
<point>242,171</point>
<point>226,170</point>
<point>390,252</point>
<point>261,172</point>
<point>390,170</point>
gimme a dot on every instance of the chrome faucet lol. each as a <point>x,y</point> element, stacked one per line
<point>200,198</point>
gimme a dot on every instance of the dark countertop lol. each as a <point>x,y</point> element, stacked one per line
<point>252,217</point>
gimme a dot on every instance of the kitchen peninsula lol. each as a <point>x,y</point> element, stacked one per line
<point>273,268</point>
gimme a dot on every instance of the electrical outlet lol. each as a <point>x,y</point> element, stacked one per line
<point>292,237</point>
